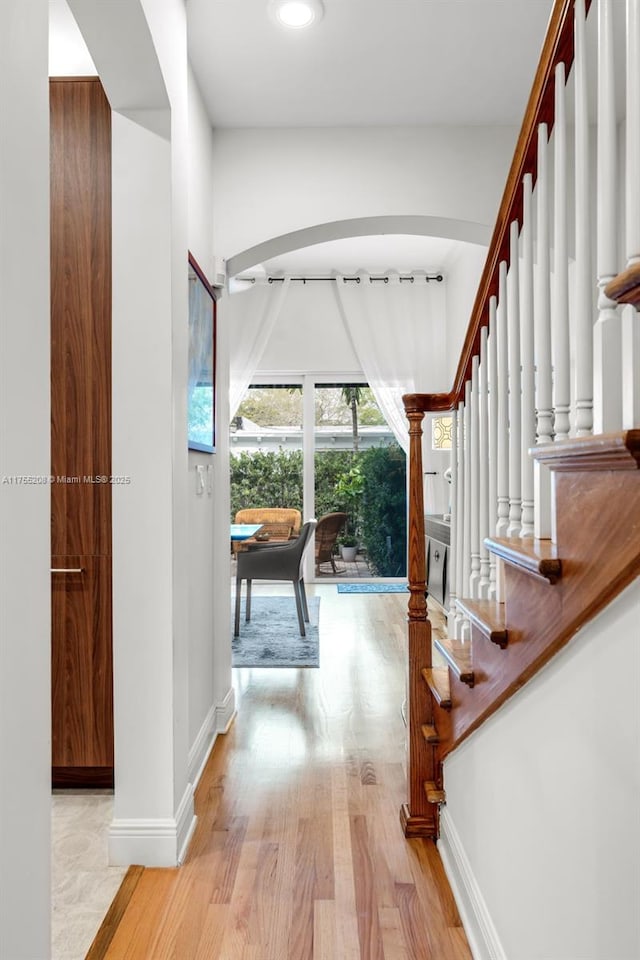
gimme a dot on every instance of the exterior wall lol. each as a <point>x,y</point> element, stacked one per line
<point>542,804</point>
<point>25,581</point>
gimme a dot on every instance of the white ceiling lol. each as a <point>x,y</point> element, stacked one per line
<point>367,62</point>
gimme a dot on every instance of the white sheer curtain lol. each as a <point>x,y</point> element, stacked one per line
<point>252,316</point>
<point>397,329</point>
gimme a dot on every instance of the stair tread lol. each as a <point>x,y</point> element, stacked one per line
<point>434,793</point>
<point>457,653</point>
<point>537,557</point>
<point>430,733</point>
<point>488,616</point>
<point>437,680</point>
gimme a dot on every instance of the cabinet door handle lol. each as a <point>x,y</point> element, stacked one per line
<point>67,569</point>
<point>436,555</point>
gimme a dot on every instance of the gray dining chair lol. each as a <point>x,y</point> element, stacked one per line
<point>278,561</point>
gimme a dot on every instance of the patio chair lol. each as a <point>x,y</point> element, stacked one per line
<point>278,561</point>
<point>329,526</point>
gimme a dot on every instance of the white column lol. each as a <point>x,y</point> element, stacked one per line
<point>474,416</point>
<point>25,509</point>
<point>527,354</point>
<point>515,397</point>
<point>483,477</point>
<point>607,363</point>
<point>502,482</point>
<point>492,504</point>
<point>542,345</point>
<point>584,270</point>
<point>453,531</point>
<point>560,298</point>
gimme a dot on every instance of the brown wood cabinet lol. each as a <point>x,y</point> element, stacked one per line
<point>82,671</point>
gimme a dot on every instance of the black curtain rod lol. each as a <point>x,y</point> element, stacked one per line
<point>428,277</point>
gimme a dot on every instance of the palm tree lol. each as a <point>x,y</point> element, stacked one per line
<point>352,395</point>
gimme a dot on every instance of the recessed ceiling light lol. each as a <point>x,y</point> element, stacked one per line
<point>296,13</point>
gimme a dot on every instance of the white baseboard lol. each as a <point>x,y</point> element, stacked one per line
<point>218,720</point>
<point>158,842</point>
<point>226,711</point>
<point>474,913</point>
<point>185,822</point>
<point>202,746</point>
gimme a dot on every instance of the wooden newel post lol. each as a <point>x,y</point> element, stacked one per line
<point>418,817</point>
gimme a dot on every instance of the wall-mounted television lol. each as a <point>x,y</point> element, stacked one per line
<point>202,361</point>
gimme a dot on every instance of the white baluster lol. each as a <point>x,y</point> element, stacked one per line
<point>453,529</point>
<point>630,325</point>
<point>527,348</point>
<point>502,482</point>
<point>542,319</point>
<point>466,545</point>
<point>474,420</point>
<point>515,397</point>
<point>460,620</point>
<point>584,270</point>
<point>607,361</point>
<point>483,476</point>
<point>493,439</point>
<point>560,299</point>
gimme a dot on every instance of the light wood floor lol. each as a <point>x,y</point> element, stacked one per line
<point>298,852</point>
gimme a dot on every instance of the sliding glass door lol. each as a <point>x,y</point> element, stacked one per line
<point>323,447</point>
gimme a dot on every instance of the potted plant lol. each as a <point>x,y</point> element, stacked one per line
<point>349,488</point>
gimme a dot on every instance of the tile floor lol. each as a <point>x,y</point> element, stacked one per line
<point>82,884</point>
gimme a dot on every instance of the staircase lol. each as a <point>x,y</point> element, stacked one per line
<point>545,527</point>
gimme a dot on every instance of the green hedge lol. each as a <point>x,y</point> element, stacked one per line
<point>266,480</point>
<point>384,510</point>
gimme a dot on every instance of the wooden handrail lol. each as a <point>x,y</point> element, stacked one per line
<point>558,48</point>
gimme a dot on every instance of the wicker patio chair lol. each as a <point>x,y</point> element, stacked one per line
<point>329,526</point>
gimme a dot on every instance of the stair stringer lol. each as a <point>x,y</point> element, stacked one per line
<point>597,503</point>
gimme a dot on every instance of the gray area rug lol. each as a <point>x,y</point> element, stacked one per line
<point>272,637</point>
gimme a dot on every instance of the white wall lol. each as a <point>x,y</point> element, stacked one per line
<point>464,270</point>
<point>210,694</point>
<point>25,582</point>
<point>543,801</point>
<point>273,181</point>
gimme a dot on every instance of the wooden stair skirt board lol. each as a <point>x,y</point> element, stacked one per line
<point>551,590</point>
